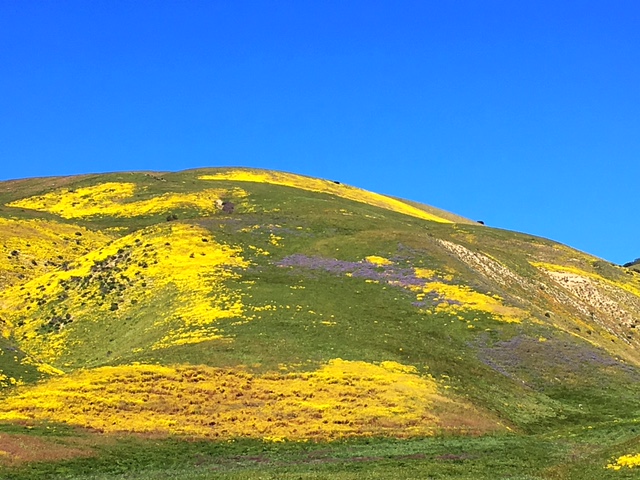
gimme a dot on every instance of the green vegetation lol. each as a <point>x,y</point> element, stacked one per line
<point>531,347</point>
<point>567,454</point>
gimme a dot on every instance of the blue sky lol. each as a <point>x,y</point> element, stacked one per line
<point>523,114</point>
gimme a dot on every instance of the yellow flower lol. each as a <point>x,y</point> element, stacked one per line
<point>109,199</point>
<point>341,398</point>
<point>630,461</point>
<point>324,186</point>
<point>376,260</point>
<point>29,248</point>
<point>459,298</point>
<point>168,257</point>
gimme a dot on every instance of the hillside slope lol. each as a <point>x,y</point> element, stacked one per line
<point>226,303</point>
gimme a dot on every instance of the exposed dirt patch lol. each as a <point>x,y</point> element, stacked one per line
<point>16,449</point>
<point>488,267</point>
<point>600,297</point>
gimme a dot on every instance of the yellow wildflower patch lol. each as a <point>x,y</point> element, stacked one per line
<point>341,398</point>
<point>72,203</point>
<point>259,251</point>
<point>471,300</point>
<point>324,186</point>
<point>42,367</point>
<point>110,199</point>
<point>111,283</point>
<point>461,298</point>
<point>424,273</point>
<point>628,461</point>
<point>29,248</point>
<point>376,260</point>
<point>275,240</point>
<point>7,381</point>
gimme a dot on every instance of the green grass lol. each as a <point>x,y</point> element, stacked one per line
<point>569,454</point>
<point>571,402</point>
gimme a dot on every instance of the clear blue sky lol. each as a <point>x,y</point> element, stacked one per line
<point>524,114</point>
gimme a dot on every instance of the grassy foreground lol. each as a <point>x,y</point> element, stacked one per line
<point>569,454</point>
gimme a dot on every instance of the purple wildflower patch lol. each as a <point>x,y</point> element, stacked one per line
<point>388,274</point>
<point>522,354</point>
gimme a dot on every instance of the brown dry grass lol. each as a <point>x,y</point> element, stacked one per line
<point>16,449</point>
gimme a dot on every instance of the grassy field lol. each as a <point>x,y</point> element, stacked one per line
<point>565,454</point>
<point>226,323</point>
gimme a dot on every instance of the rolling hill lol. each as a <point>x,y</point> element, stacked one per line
<point>257,324</point>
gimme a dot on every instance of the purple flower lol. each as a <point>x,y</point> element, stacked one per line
<point>389,274</point>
